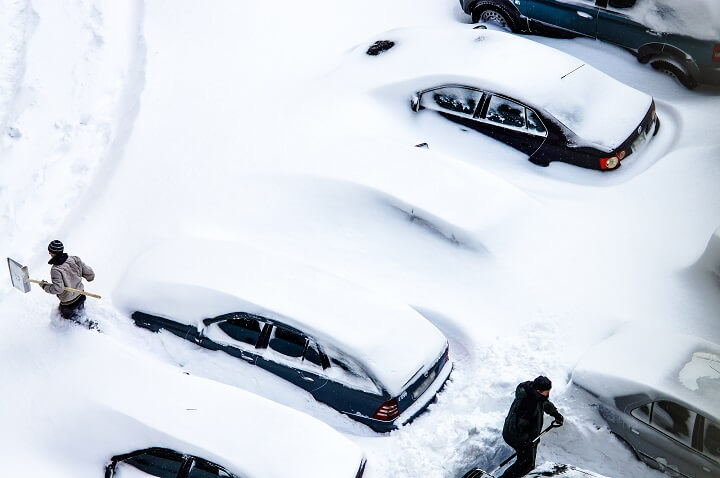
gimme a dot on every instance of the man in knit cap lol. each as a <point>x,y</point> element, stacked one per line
<point>524,423</point>
<point>67,271</point>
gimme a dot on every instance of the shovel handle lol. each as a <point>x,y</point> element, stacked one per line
<point>77,291</point>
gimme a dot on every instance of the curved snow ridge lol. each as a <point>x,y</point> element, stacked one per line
<point>17,19</point>
<point>68,112</point>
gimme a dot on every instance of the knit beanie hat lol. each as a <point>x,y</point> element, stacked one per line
<point>542,383</point>
<point>56,247</point>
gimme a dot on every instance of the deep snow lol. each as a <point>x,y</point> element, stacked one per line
<point>126,124</point>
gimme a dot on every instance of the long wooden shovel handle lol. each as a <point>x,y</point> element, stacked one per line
<point>77,291</point>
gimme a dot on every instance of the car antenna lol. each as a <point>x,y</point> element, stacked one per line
<point>576,69</point>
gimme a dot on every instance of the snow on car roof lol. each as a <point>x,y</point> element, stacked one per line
<point>233,428</point>
<point>597,107</point>
<point>190,280</point>
<point>636,359</point>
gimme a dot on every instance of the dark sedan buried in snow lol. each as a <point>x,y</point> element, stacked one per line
<point>543,102</point>
<point>535,132</point>
<point>377,361</point>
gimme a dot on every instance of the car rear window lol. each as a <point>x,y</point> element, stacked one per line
<point>506,112</point>
<point>673,419</point>
<point>711,441</point>
<point>288,342</point>
<point>242,329</point>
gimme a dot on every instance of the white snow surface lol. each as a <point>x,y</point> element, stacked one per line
<point>598,108</point>
<point>391,340</point>
<point>127,124</point>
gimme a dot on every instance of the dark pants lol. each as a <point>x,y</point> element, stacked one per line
<point>524,463</point>
<point>72,310</point>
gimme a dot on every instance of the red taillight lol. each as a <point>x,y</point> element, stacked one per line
<point>388,410</point>
<point>716,52</point>
<point>609,163</point>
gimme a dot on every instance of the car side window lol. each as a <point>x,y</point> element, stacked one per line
<point>243,328</point>
<point>452,98</point>
<point>287,342</point>
<point>711,440</point>
<point>345,371</point>
<point>534,123</point>
<point>621,4</point>
<point>674,420</point>
<point>205,469</point>
<point>312,355</point>
<point>162,465</point>
<point>505,112</point>
<point>642,412</point>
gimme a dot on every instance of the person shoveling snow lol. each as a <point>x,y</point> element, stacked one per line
<point>66,275</point>
<point>523,425</point>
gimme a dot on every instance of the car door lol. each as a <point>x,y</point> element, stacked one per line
<point>578,16</point>
<point>668,437</point>
<point>614,25</point>
<point>292,355</point>
<point>455,102</point>
<point>237,334</point>
<point>512,123</point>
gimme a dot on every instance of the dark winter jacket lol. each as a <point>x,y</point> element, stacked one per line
<point>525,419</point>
<point>67,271</point>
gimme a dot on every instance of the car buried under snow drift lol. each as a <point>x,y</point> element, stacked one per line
<point>538,100</point>
<point>660,396</point>
<point>378,362</point>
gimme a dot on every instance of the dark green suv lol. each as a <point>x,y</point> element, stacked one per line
<point>654,32</point>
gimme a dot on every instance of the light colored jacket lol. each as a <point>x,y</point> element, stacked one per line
<point>68,274</point>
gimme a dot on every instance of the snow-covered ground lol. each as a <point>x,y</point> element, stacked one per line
<point>127,124</point>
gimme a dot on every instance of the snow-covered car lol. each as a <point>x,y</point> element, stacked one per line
<point>546,469</point>
<point>660,394</point>
<point>538,100</point>
<point>377,361</point>
<point>679,38</point>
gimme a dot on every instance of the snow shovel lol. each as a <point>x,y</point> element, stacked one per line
<point>21,279</point>
<point>478,473</point>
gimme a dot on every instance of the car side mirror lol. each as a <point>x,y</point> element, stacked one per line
<point>415,102</point>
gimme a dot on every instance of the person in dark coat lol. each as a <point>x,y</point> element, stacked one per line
<point>67,271</point>
<point>524,423</point>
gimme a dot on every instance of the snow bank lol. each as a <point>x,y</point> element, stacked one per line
<point>190,280</point>
<point>598,108</point>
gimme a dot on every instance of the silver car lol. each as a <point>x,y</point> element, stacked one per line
<point>661,396</point>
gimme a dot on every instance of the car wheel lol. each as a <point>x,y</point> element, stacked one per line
<point>495,16</point>
<point>675,72</point>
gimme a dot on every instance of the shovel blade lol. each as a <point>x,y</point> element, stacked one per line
<point>477,473</point>
<point>19,275</point>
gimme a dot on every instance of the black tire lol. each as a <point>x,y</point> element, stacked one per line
<point>675,72</point>
<point>494,14</point>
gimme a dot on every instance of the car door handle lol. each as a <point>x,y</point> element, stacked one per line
<point>305,377</point>
<point>634,431</point>
<point>652,32</point>
<point>584,15</point>
<point>247,359</point>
